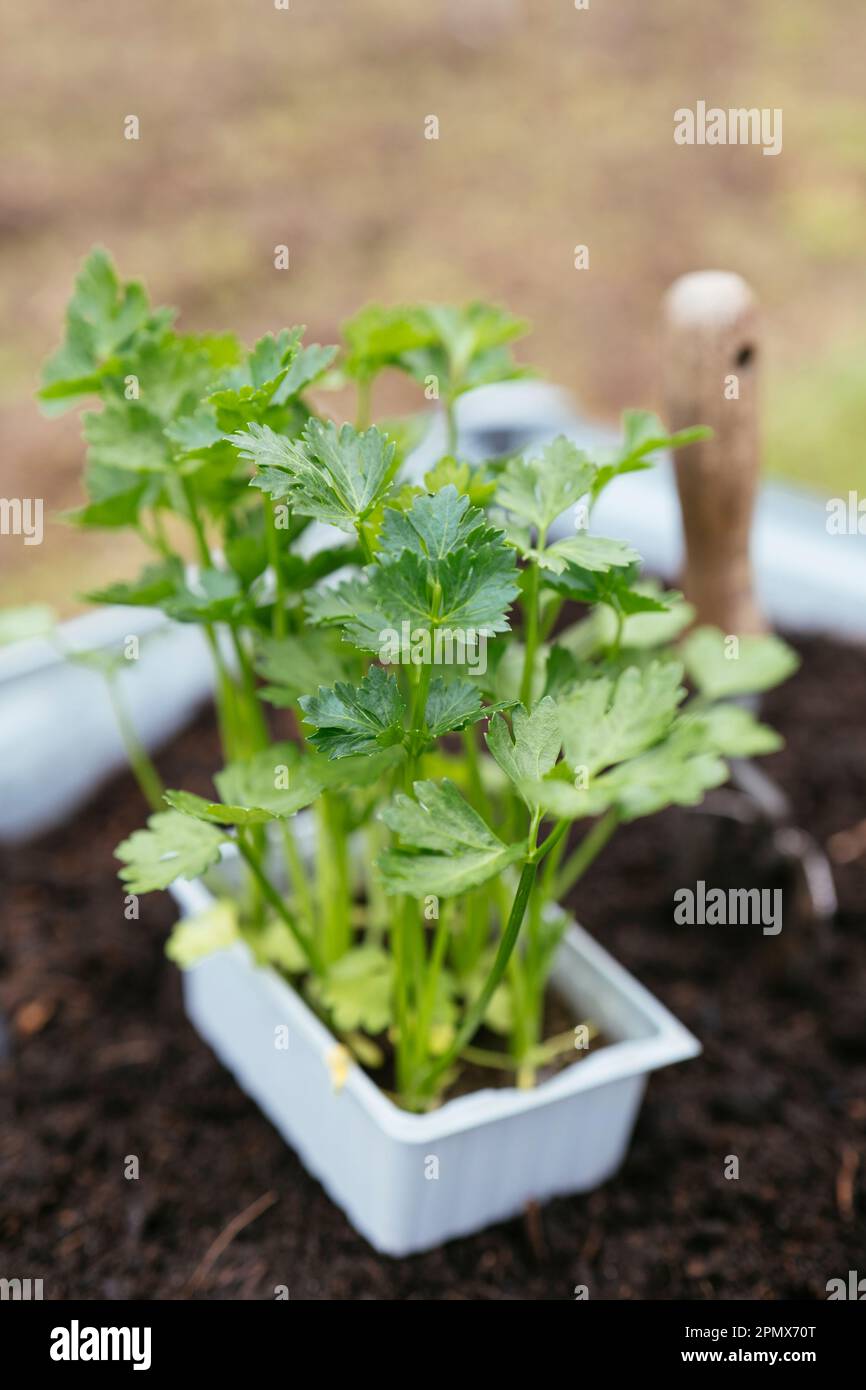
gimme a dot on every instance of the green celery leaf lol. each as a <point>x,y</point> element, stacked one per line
<point>452,704</point>
<point>362,770</point>
<point>246,546</point>
<point>642,632</point>
<point>620,589</point>
<point>721,666</point>
<point>475,482</point>
<point>337,603</point>
<point>252,382</point>
<point>467,347</point>
<point>194,938</point>
<point>441,569</point>
<point>354,719</point>
<point>215,596</point>
<point>278,780</point>
<point>379,337</point>
<point>433,526</point>
<point>102,316</point>
<point>470,329</point>
<point>311,363</point>
<point>358,989</point>
<point>173,846</point>
<point>301,662</point>
<point>676,772</point>
<point>248,392</point>
<point>120,509</point>
<point>172,373</point>
<point>734,732</point>
<point>643,435</point>
<point>216,812</point>
<point>474,589</point>
<point>273,354</point>
<point>605,721</point>
<point>276,945</point>
<point>336,476</point>
<point>562,669</point>
<point>154,585</point>
<point>588,552</point>
<point>126,435</point>
<point>538,490</point>
<point>102,482</point>
<point>300,572</point>
<point>458,850</point>
<point>532,751</point>
<point>669,775</point>
<point>197,432</point>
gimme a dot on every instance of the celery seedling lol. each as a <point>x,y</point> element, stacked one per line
<point>430,911</point>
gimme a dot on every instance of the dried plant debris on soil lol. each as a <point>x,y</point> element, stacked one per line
<point>101,1064</point>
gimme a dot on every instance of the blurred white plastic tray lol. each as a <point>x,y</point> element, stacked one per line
<point>58,735</point>
<point>494,1150</point>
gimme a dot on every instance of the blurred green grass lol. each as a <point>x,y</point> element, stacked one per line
<point>815,421</point>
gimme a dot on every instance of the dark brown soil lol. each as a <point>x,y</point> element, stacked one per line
<point>102,1064</point>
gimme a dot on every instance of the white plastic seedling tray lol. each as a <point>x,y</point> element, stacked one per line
<point>58,735</point>
<point>408,1182</point>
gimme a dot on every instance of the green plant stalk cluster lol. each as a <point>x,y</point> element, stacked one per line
<point>459,792</point>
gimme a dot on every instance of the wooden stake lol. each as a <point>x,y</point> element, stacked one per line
<point>712,350</point>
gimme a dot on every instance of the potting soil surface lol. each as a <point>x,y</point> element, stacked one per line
<point>746,1177</point>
